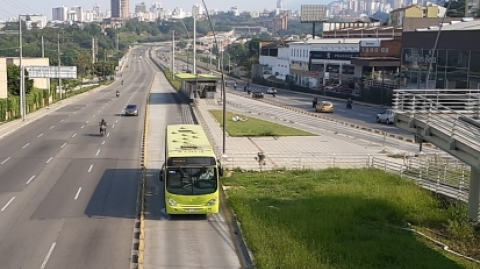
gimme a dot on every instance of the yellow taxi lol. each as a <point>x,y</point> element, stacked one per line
<point>324,107</point>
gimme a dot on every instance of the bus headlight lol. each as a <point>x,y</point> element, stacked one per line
<point>212,202</point>
<point>172,202</point>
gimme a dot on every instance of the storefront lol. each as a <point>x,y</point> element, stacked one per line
<point>454,65</point>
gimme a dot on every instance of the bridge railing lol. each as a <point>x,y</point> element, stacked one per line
<point>455,112</point>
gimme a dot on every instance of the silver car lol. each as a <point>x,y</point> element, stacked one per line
<point>131,110</point>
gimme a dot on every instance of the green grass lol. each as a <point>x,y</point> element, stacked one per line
<point>255,127</point>
<point>346,219</point>
<point>173,81</point>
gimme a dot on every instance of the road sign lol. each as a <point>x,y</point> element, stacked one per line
<point>51,71</point>
<point>313,13</point>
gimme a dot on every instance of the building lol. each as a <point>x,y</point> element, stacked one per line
<point>197,10</point>
<point>59,14</point>
<point>454,65</point>
<point>40,83</point>
<point>125,8</point>
<point>275,58</point>
<point>116,11</point>
<point>429,10</point>
<point>141,8</point>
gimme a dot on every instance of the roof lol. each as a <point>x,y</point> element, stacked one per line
<point>380,16</point>
<point>188,140</point>
<point>403,8</point>
<point>335,41</point>
<point>190,76</point>
<point>466,24</point>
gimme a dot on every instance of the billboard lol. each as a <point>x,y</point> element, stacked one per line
<point>52,71</point>
<point>313,13</point>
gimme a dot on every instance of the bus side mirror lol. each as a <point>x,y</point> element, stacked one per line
<point>220,169</point>
<point>160,176</point>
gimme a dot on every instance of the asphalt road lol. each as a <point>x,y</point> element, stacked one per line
<point>67,195</point>
<point>178,241</point>
<point>361,115</point>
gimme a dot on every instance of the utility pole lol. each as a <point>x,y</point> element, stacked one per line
<point>59,63</point>
<point>93,55</point>
<point>173,52</point>
<point>22,79</point>
<point>194,43</point>
<point>43,48</point>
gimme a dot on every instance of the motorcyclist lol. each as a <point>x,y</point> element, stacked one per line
<point>315,102</point>
<point>273,92</point>
<point>235,85</point>
<point>349,103</point>
<point>103,124</point>
<point>122,81</point>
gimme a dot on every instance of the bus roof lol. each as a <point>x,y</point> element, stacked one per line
<point>187,140</point>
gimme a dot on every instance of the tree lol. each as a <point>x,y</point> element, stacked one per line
<point>13,80</point>
<point>182,44</point>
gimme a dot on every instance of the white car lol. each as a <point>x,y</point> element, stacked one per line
<point>385,116</point>
<point>271,91</point>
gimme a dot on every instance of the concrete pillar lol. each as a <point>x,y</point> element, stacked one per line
<point>474,195</point>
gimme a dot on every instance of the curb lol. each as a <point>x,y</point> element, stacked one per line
<point>348,124</point>
<point>141,229</point>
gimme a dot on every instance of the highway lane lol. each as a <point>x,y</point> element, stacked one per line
<point>360,114</point>
<point>69,196</point>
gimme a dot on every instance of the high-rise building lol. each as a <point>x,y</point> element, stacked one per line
<point>59,13</point>
<point>116,11</point>
<point>280,4</point>
<point>197,10</point>
<point>141,8</point>
<point>125,4</point>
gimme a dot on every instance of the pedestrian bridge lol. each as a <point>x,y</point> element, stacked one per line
<point>450,119</point>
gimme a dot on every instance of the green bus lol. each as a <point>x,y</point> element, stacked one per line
<point>191,171</point>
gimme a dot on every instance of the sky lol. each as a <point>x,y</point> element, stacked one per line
<point>11,8</point>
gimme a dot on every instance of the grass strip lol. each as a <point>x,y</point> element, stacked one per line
<point>254,127</point>
<point>346,219</point>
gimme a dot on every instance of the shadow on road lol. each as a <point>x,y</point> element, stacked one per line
<point>115,194</point>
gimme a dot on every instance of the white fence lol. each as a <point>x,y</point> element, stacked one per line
<point>436,174</point>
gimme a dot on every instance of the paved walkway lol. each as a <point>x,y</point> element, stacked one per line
<point>320,151</point>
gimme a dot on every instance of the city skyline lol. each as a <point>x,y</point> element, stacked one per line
<point>13,8</point>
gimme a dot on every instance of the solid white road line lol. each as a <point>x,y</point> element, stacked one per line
<point>90,168</point>
<point>48,255</point>
<point>78,193</point>
<point>8,203</point>
<point>30,180</point>
<point>6,160</point>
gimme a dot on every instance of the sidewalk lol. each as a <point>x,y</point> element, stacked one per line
<point>319,151</point>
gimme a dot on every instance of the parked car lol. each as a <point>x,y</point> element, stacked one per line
<point>257,95</point>
<point>324,107</point>
<point>385,116</point>
<point>131,110</point>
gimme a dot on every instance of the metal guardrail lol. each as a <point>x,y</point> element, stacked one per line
<point>455,112</point>
<point>436,174</point>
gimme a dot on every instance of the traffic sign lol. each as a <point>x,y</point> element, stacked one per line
<point>51,71</point>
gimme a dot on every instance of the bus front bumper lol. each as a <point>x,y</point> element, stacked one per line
<point>192,210</point>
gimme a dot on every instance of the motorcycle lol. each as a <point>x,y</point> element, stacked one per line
<point>117,94</point>
<point>314,102</point>
<point>122,82</point>
<point>103,130</point>
<point>274,94</point>
<point>349,105</point>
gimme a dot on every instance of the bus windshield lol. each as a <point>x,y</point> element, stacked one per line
<point>191,180</point>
